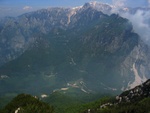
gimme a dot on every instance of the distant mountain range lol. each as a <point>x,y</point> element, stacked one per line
<point>85,49</point>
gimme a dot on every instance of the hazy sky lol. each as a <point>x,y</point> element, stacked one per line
<point>15,7</point>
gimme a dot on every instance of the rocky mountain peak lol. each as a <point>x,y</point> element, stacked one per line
<point>137,93</point>
<point>103,7</point>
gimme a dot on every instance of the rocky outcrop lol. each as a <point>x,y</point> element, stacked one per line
<point>135,94</point>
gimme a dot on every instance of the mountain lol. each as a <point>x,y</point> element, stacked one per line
<point>105,8</point>
<point>109,9</point>
<point>18,33</point>
<point>135,100</point>
<point>66,50</point>
<point>20,29</point>
<point>135,94</point>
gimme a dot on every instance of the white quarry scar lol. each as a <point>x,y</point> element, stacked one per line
<point>138,80</point>
<point>69,16</point>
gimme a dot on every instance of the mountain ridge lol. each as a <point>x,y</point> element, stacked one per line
<point>87,45</point>
<point>135,100</point>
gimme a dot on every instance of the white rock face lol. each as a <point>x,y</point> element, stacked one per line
<point>104,7</point>
<point>73,11</point>
<point>137,80</point>
<point>17,110</point>
<point>3,77</point>
<point>64,89</point>
<point>44,96</point>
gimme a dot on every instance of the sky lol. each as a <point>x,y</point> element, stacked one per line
<point>16,7</point>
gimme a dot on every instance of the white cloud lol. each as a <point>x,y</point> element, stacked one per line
<point>148,2</point>
<point>140,20</point>
<point>141,25</point>
<point>119,3</point>
<point>27,8</point>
